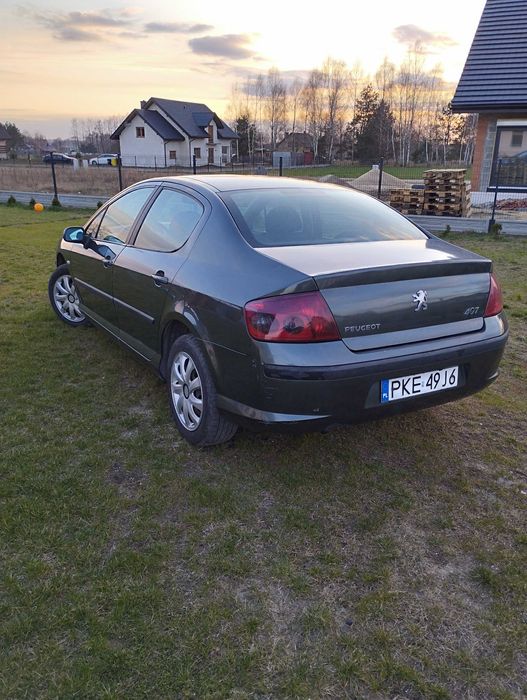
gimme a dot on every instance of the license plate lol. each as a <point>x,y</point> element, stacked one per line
<point>418,384</point>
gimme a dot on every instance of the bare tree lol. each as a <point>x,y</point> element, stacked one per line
<point>413,99</point>
<point>313,105</point>
<point>357,79</point>
<point>295,92</point>
<point>408,90</point>
<point>335,77</point>
<point>275,104</point>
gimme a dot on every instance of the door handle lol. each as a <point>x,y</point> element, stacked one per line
<point>159,278</point>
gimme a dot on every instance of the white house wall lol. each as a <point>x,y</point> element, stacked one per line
<point>151,150</point>
<point>147,152</point>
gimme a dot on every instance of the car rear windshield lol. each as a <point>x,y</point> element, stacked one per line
<point>310,216</point>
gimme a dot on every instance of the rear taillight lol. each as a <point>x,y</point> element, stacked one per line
<point>495,300</point>
<point>291,318</point>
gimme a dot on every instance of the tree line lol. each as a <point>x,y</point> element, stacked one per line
<point>87,136</point>
<point>400,113</point>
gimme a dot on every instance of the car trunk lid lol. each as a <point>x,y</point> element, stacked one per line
<point>385,293</point>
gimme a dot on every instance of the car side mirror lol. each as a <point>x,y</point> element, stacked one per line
<point>74,234</point>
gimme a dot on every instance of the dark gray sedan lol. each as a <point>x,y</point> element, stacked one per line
<point>281,302</point>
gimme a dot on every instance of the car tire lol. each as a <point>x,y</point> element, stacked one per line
<point>64,298</point>
<point>192,395</point>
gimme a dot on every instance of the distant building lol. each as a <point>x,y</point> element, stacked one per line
<point>4,139</point>
<point>169,132</point>
<point>298,142</point>
<point>494,85</point>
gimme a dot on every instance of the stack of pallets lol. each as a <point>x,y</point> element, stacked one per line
<point>446,193</point>
<point>407,201</point>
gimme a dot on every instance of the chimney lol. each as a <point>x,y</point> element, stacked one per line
<point>143,104</point>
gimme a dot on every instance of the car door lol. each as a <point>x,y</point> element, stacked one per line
<point>145,269</point>
<point>92,269</point>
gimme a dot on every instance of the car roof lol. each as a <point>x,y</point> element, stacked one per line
<point>226,182</point>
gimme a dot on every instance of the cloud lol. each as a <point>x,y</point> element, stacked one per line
<point>82,26</point>
<point>233,46</point>
<point>73,34</point>
<point>412,34</point>
<point>176,28</point>
<point>96,19</point>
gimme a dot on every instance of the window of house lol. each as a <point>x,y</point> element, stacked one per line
<point>172,155</point>
<point>169,222</point>
<point>197,152</point>
<point>510,157</point>
<point>139,132</point>
<point>211,133</point>
<point>225,150</point>
<point>120,215</point>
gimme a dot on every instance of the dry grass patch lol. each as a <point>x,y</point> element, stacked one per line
<point>377,561</point>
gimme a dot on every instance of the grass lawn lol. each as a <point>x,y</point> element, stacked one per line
<point>378,561</point>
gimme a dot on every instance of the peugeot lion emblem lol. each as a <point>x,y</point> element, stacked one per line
<point>420,298</point>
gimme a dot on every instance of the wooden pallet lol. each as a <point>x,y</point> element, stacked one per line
<point>458,214</point>
<point>446,210</point>
<point>407,201</point>
<point>445,187</point>
<point>447,174</point>
<point>446,193</point>
<point>446,198</point>
<point>409,211</point>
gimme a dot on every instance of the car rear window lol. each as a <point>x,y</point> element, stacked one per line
<point>309,216</point>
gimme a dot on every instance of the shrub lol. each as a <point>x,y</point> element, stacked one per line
<point>11,202</point>
<point>99,204</point>
<point>495,230</point>
<point>32,203</point>
<point>55,203</point>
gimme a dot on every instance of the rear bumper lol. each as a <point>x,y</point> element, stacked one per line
<point>314,397</point>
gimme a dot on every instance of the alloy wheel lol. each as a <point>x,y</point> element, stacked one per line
<point>187,393</point>
<point>67,300</point>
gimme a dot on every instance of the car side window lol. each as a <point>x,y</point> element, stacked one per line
<point>120,216</point>
<point>169,222</point>
<point>92,228</point>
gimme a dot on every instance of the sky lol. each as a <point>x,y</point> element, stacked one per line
<point>61,59</point>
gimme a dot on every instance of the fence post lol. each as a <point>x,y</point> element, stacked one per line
<point>379,187</point>
<point>492,220</point>
<point>194,163</point>
<point>55,201</point>
<point>155,164</point>
<point>281,166</point>
<point>119,171</point>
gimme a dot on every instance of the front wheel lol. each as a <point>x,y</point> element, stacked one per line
<point>64,298</point>
<point>192,395</point>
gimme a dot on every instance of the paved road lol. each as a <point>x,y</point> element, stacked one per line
<point>430,223</point>
<point>67,200</point>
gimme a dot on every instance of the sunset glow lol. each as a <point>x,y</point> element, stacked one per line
<point>59,61</point>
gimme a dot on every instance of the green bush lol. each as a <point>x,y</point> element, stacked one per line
<point>55,203</point>
<point>495,230</point>
<point>32,203</point>
<point>11,202</point>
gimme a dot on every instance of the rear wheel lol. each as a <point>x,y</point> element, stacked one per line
<point>192,395</point>
<point>64,299</point>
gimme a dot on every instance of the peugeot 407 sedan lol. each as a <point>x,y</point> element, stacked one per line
<point>281,302</point>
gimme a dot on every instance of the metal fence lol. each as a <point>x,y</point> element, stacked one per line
<point>418,190</point>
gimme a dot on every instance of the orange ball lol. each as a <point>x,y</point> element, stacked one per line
<point>38,207</point>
